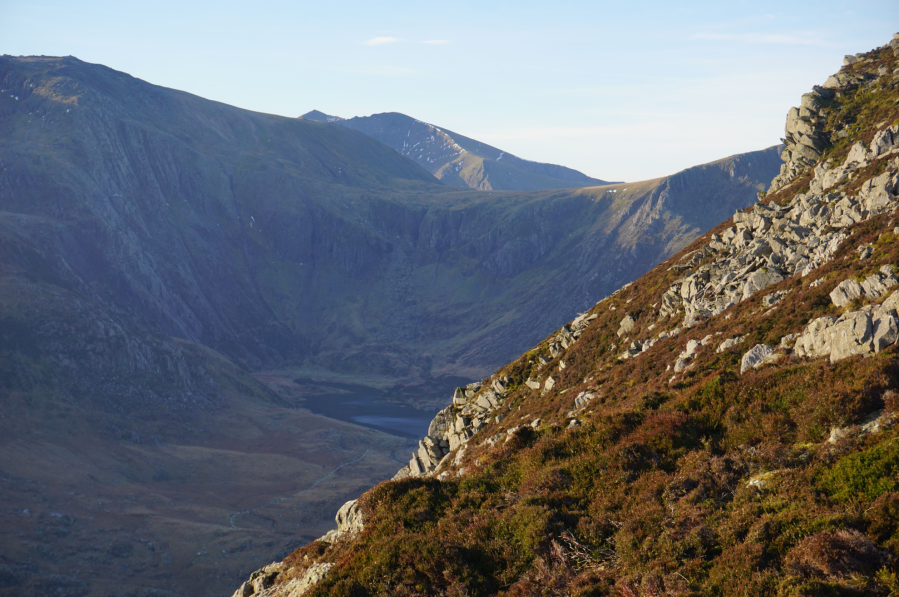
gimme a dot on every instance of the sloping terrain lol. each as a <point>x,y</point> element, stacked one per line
<point>183,282</point>
<point>725,425</point>
<point>457,160</point>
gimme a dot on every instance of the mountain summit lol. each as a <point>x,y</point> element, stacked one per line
<point>458,160</point>
<point>726,425</point>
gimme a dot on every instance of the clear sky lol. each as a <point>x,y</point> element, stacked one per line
<point>620,91</point>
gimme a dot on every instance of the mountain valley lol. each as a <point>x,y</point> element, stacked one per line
<point>216,326</point>
<point>724,425</point>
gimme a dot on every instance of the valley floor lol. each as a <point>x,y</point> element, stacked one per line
<point>77,516</point>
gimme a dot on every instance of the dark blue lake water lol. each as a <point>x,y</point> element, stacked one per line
<point>366,406</point>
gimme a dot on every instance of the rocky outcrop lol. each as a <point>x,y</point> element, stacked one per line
<point>262,583</point>
<point>349,523</point>
<point>772,242</point>
<point>473,406</point>
<point>805,138</point>
<point>866,331</point>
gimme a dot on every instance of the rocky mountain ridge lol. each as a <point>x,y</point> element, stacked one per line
<point>457,160</point>
<point>742,443</point>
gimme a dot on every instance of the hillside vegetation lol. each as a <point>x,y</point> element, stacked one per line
<point>725,425</point>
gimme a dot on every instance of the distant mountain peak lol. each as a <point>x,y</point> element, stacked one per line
<point>319,116</point>
<point>464,162</point>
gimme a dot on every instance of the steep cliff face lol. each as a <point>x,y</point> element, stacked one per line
<point>458,160</point>
<point>725,425</point>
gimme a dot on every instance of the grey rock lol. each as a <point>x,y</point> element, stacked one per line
<point>815,341</point>
<point>626,326</point>
<point>549,383</point>
<point>441,423</point>
<point>852,334</point>
<point>760,279</point>
<point>877,285</point>
<point>775,297</point>
<point>755,357</point>
<point>886,332</point>
<point>729,343</point>
<point>260,580</point>
<point>858,155</point>
<point>846,292</point>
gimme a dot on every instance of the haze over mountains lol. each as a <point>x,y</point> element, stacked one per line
<point>174,271</point>
<point>457,160</point>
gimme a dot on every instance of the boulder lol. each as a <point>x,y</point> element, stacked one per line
<point>858,155</point>
<point>760,279</point>
<point>626,325</point>
<point>729,343</point>
<point>260,580</point>
<point>441,423</point>
<point>549,383</point>
<point>877,285</point>
<point>852,334</point>
<point>846,292</point>
<point>886,332</point>
<point>885,141</point>
<point>756,357</point>
<point>349,520</point>
<point>815,341</point>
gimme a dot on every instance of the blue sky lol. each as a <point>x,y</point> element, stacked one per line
<point>623,91</point>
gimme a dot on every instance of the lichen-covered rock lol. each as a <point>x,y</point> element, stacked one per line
<point>815,341</point>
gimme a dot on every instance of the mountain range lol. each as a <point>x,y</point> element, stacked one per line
<point>192,296</point>
<point>457,160</point>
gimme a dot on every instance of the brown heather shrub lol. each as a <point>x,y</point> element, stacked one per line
<point>891,401</point>
<point>883,519</point>
<point>834,555</point>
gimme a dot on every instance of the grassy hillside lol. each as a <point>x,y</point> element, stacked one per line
<point>725,425</point>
